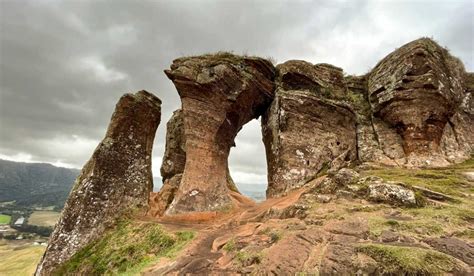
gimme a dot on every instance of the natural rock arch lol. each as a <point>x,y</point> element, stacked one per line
<point>219,94</point>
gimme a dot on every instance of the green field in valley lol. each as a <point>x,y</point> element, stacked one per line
<point>5,219</point>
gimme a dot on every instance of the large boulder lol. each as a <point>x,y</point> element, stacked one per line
<point>308,126</point>
<point>115,182</point>
<point>420,106</point>
<point>219,94</point>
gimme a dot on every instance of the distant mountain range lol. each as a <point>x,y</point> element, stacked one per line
<point>35,184</point>
<point>42,184</point>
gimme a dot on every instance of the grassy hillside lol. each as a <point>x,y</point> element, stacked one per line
<point>126,250</point>
<point>35,184</point>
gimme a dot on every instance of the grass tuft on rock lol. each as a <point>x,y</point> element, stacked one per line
<point>126,250</point>
<point>400,260</point>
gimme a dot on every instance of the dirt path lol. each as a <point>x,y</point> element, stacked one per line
<point>213,230</point>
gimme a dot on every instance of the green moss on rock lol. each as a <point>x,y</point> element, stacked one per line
<point>400,260</point>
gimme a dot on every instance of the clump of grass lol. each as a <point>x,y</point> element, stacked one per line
<point>399,260</point>
<point>125,249</point>
<point>248,258</point>
<point>230,246</point>
<point>392,222</point>
<point>275,236</point>
<point>420,199</point>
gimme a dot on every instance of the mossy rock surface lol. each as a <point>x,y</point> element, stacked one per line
<point>401,260</point>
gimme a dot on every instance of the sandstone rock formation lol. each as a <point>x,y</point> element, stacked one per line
<point>116,181</point>
<point>172,167</point>
<point>421,109</point>
<point>308,127</point>
<point>219,94</point>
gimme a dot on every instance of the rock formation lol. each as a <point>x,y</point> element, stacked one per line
<point>116,181</point>
<point>172,167</point>
<point>414,109</point>
<point>419,101</point>
<point>219,94</point>
<point>308,127</point>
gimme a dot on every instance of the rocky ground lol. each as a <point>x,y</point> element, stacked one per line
<point>330,227</point>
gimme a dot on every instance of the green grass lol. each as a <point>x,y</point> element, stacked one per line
<point>230,246</point>
<point>451,217</point>
<point>447,180</point>
<point>5,219</point>
<point>245,258</point>
<point>126,250</point>
<point>211,59</point>
<point>399,260</point>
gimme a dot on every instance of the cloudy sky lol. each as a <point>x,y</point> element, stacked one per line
<point>64,64</point>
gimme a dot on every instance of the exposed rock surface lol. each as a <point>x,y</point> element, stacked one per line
<point>219,94</point>
<point>173,164</point>
<point>380,191</point>
<point>307,127</point>
<point>347,182</point>
<point>116,180</point>
<point>455,247</point>
<point>421,109</point>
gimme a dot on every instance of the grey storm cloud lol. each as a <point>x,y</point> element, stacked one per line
<point>64,64</point>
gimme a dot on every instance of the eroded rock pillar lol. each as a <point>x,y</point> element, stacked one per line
<point>219,94</point>
<point>172,167</point>
<point>116,180</point>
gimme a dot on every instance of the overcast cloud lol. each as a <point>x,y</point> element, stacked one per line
<point>64,64</point>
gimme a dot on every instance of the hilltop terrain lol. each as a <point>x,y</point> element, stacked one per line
<point>367,175</point>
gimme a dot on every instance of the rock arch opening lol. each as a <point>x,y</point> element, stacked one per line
<point>219,94</point>
<point>248,163</point>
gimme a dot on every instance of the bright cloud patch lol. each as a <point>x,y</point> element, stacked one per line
<point>100,71</point>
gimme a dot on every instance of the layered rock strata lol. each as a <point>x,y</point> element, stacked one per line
<point>420,106</point>
<point>308,128</point>
<point>116,180</point>
<point>219,94</point>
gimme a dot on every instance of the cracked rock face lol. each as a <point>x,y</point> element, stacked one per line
<point>115,181</point>
<point>307,127</point>
<point>416,94</point>
<point>219,94</point>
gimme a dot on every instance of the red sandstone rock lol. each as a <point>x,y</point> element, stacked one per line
<point>116,181</point>
<point>307,126</point>
<point>416,94</point>
<point>219,94</point>
<point>172,167</point>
